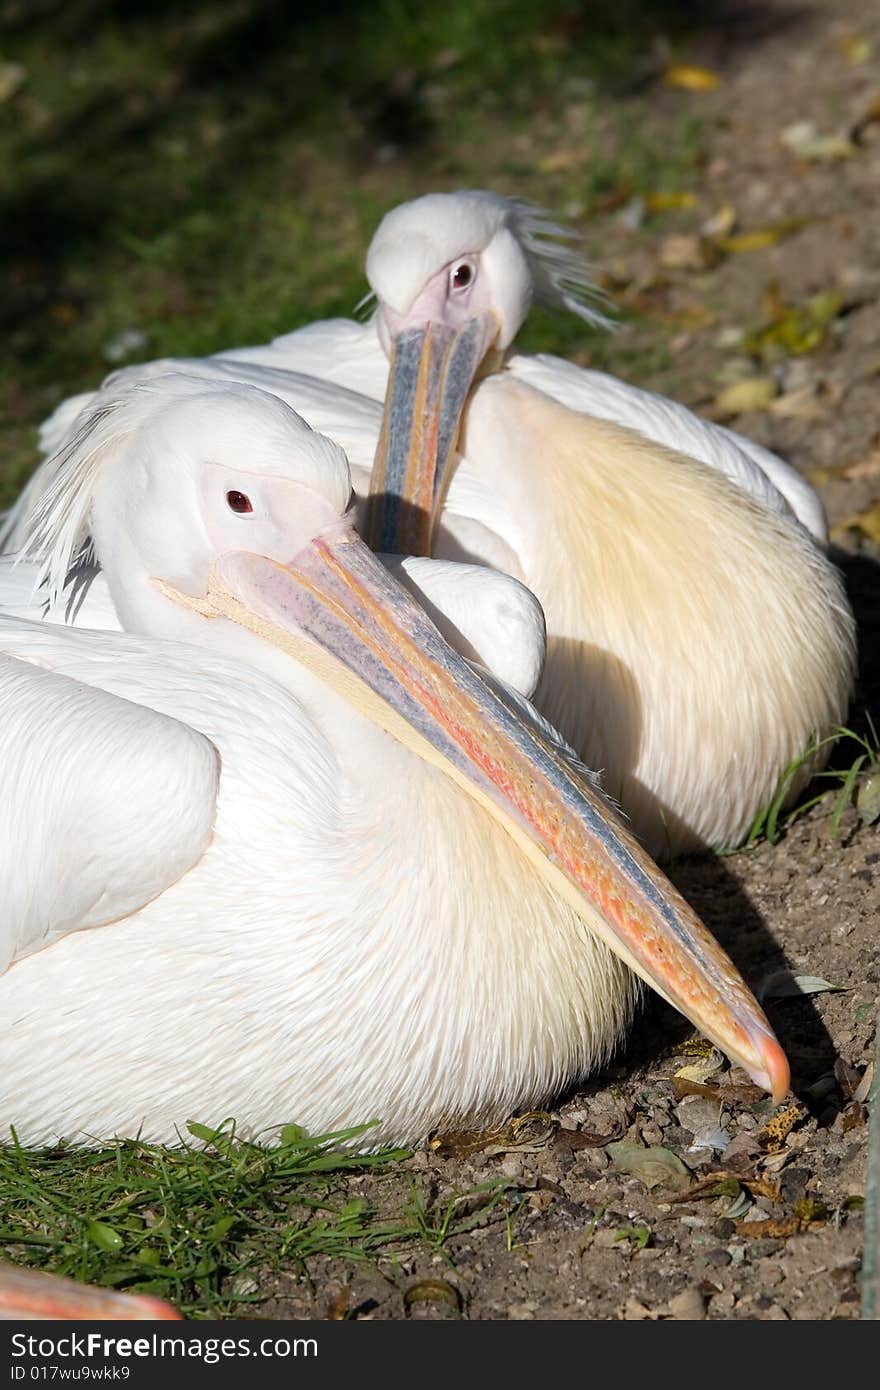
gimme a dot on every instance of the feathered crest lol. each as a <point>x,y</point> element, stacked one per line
<point>561,274</point>
<point>50,522</point>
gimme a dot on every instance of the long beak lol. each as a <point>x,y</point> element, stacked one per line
<point>339,613</point>
<point>432,368</point>
<point>28,1294</point>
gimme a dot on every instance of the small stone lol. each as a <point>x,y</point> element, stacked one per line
<point>521,1312</point>
<point>634,1311</point>
<point>606,1239</point>
<point>511,1166</point>
<point>793,1184</point>
<point>722,1303</point>
<point>687,1306</point>
<point>717,1258</point>
<point>776,1313</point>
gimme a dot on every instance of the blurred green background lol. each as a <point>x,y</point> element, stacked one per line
<point>207,175</point>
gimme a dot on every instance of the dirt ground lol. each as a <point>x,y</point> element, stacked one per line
<point>575,1236</point>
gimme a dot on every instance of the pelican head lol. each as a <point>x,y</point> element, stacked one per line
<point>220,503</point>
<point>454,275</point>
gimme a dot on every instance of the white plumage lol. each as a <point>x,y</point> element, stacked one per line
<point>302,920</point>
<point>698,642</point>
<point>232,892</point>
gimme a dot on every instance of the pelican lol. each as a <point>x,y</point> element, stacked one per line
<point>699,641</point>
<point>274,849</point>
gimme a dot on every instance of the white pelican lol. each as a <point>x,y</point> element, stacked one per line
<point>698,641</point>
<point>275,850</point>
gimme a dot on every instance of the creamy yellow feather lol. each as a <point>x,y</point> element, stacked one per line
<point>697,642</point>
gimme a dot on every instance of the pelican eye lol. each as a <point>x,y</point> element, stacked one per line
<point>239,502</point>
<point>461,275</point>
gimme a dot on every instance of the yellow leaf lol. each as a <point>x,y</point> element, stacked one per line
<point>856,48</point>
<point>755,393</point>
<point>794,329</point>
<point>867,522</point>
<point>691,79</point>
<point>669,202</point>
<point>702,1070</point>
<point>561,160</point>
<point>760,237</point>
<point>777,1129</point>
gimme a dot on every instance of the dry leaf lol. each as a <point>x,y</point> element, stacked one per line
<point>846,1077</point>
<point>655,1167</point>
<point>804,142</point>
<point>586,1139</point>
<point>867,467</point>
<point>776,1131</point>
<point>856,48</point>
<point>802,404</point>
<point>868,522</point>
<point>691,79</point>
<point>695,1047</point>
<point>783,984</point>
<point>852,1117</point>
<point>870,117</point>
<point>432,1291</point>
<point>527,1133</point>
<point>703,1068</point>
<point>761,237</point>
<point>770,1229</point>
<point>754,393</point>
<point>339,1305</point>
<point>793,330</point>
<point>775,1162</point>
<point>702,1116</point>
<point>669,202</point>
<point>863,1090</point>
<point>561,161</point>
<point>688,253</point>
<point>725,1182</point>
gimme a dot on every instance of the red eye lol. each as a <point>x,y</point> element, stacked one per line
<point>239,502</point>
<point>461,276</point>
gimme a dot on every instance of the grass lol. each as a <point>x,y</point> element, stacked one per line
<point>205,1225</point>
<point>773,819</point>
<point>191,1224</point>
<point>211,174</point>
